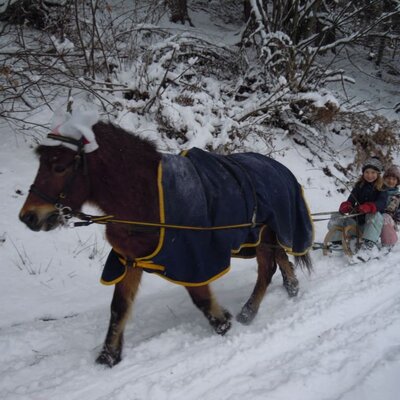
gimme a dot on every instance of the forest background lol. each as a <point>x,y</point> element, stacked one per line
<point>222,91</point>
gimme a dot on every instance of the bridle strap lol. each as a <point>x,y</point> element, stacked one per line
<point>79,161</point>
<point>52,200</point>
<point>79,143</point>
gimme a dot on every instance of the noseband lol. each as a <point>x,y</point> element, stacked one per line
<point>78,162</point>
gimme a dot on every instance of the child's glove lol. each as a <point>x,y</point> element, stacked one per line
<point>345,207</point>
<point>367,208</point>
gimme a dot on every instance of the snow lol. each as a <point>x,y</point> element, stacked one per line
<point>62,46</point>
<point>339,339</point>
<point>319,99</point>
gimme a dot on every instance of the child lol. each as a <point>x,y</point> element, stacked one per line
<point>368,198</point>
<point>391,178</point>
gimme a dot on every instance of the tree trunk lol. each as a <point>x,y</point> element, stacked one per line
<point>179,11</point>
<point>29,12</point>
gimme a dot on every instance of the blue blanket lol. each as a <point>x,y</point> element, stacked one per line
<point>205,189</point>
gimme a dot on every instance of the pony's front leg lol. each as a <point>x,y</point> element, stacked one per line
<point>124,294</point>
<point>218,317</point>
<point>266,269</point>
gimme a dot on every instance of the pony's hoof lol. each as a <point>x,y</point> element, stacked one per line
<point>246,315</point>
<point>108,359</point>
<point>221,326</point>
<point>292,287</point>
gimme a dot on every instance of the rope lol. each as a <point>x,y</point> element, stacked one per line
<point>338,217</point>
<point>106,219</point>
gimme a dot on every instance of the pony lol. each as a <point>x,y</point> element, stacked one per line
<point>120,175</point>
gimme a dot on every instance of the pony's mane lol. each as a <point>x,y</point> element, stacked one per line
<point>123,161</point>
<point>112,137</point>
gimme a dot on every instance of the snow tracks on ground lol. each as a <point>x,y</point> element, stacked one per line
<point>337,340</point>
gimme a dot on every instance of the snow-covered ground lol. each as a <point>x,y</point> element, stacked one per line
<point>339,339</point>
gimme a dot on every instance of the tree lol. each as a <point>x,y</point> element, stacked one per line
<point>289,34</point>
<point>179,11</point>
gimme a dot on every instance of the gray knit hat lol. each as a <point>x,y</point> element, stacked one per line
<point>394,171</point>
<point>373,163</point>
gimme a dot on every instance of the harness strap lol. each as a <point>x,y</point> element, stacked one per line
<point>338,217</point>
<point>107,219</point>
<point>76,142</point>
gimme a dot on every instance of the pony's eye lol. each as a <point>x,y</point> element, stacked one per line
<point>58,168</point>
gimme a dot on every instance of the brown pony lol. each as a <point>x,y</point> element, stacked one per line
<point>120,178</point>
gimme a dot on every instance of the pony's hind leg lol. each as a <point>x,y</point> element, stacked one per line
<point>290,281</point>
<point>218,317</point>
<point>266,269</point>
<point>124,294</point>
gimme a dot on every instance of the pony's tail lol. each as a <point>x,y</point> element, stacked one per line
<point>304,262</point>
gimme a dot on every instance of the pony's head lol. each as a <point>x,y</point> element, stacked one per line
<point>61,185</point>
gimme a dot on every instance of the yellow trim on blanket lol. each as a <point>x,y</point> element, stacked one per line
<point>242,246</point>
<point>309,214</point>
<point>189,284</point>
<point>144,262</point>
<point>162,216</point>
<point>119,279</point>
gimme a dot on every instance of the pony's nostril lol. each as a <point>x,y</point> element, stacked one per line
<point>30,218</point>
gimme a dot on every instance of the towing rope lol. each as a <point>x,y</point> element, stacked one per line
<point>87,219</point>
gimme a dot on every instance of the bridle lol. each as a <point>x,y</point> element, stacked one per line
<point>79,162</point>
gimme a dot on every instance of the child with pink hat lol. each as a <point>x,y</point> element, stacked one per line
<point>391,215</point>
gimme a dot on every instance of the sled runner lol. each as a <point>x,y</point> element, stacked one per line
<point>349,245</point>
<point>347,234</point>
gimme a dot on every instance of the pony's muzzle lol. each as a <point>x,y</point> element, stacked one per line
<point>31,219</point>
<point>37,221</point>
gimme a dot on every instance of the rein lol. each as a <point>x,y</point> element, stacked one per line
<point>87,219</point>
<point>107,219</point>
<point>65,213</point>
<point>331,213</point>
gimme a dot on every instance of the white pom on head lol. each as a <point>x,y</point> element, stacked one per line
<point>76,125</point>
